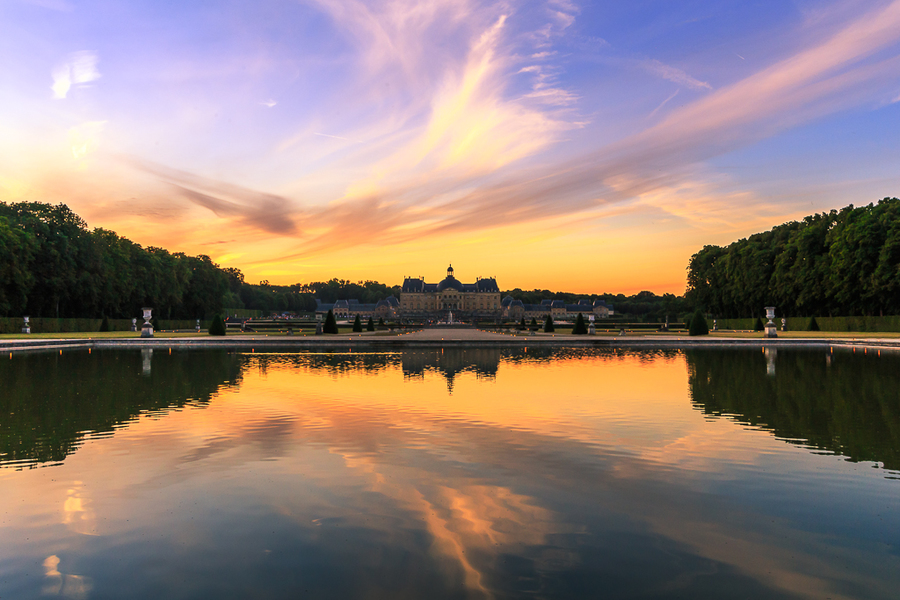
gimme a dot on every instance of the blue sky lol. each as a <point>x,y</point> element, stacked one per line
<point>581,146</point>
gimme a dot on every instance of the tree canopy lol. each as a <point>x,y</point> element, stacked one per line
<point>844,262</point>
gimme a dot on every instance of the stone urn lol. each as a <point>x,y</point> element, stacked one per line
<point>771,328</point>
<point>147,328</point>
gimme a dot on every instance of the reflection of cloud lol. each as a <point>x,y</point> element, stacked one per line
<point>60,584</point>
<point>77,513</point>
<point>80,68</point>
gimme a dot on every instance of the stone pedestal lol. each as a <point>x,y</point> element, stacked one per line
<point>198,325</point>
<point>26,327</point>
<point>771,328</point>
<point>147,328</point>
<point>591,329</point>
<point>319,328</point>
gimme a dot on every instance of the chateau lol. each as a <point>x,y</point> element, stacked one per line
<point>480,300</point>
<point>421,301</point>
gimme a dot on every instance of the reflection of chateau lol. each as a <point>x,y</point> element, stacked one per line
<point>451,362</point>
<point>435,300</point>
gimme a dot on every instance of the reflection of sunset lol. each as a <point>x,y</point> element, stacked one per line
<point>528,457</point>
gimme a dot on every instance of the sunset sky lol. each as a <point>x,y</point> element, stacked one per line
<point>588,147</point>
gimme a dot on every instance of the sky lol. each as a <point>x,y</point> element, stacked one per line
<point>587,147</point>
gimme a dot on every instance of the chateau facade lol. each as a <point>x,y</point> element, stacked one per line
<point>435,300</point>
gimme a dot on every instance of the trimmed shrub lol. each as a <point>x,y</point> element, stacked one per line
<point>370,326</point>
<point>522,325</point>
<point>813,325</point>
<point>534,324</point>
<point>357,325</point>
<point>330,325</point>
<point>548,325</point>
<point>758,325</point>
<point>217,325</point>
<point>381,321</point>
<point>580,327</point>
<point>698,324</point>
<point>104,325</point>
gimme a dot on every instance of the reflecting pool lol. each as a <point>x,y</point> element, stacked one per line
<point>478,473</point>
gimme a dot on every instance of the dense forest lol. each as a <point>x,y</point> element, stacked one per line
<point>844,262</point>
<point>52,265</point>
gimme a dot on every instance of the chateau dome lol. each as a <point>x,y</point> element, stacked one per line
<point>450,282</point>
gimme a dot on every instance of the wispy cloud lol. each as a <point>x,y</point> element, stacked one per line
<point>458,172</point>
<point>664,102</point>
<point>79,68</point>
<point>670,73</point>
<point>462,110</point>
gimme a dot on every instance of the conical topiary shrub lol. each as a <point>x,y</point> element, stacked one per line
<point>330,323</point>
<point>548,325</point>
<point>381,322</point>
<point>217,325</point>
<point>104,324</point>
<point>370,326</point>
<point>813,325</point>
<point>522,325</point>
<point>580,327</point>
<point>534,324</point>
<point>758,325</point>
<point>357,325</point>
<point>698,324</point>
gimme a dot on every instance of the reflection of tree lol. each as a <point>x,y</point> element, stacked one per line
<point>334,363</point>
<point>49,402</point>
<point>845,403</point>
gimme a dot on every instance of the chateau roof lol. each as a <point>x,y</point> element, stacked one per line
<point>418,286</point>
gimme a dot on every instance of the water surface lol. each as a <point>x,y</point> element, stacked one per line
<point>480,473</point>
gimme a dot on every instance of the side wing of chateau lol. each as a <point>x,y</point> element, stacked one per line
<point>435,300</point>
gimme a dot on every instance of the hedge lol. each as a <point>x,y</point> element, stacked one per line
<point>49,325</point>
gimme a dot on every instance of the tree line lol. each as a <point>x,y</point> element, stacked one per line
<point>644,306</point>
<point>53,265</point>
<point>843,262</point>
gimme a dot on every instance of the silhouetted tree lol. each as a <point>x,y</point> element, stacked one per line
<point>357,325</point>
<point>370,326</point>
<point>698,324</point>
<point>330,325</point>
<point>813,325</point>
<point>580,328</point>
<point>217,325</point>
<point>548,325</point>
